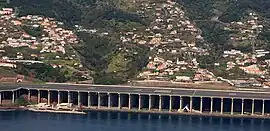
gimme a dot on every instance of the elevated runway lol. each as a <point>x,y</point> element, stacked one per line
<point>239,94</point>
<point>245,101</point>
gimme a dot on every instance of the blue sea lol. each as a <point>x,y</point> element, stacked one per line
<point>115,121</point>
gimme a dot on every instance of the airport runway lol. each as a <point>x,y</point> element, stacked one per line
<point>238,94</point>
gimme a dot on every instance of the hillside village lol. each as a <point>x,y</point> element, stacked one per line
<point>176,43</point>
<point>174,40</point>
<point>36,39</point>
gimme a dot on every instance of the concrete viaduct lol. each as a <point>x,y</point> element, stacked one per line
<point>163,99</point>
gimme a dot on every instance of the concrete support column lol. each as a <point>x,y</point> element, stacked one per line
<point>201,105</point>
<point>140,102</point>
<point>170,108</point>
<point>129,101</point>
<point>89,99</point>
<point>98,100</point>
<point>79,98</point>
<point>221,106</point>
<point>0,98</point>
<point>150,103</point>
<point>17,94</point>
<point>263,107</point>
<point>242,108</point>
<point>253,109</point>
<point>13,97</point>
<point>181,99</point>
<point>69,97</point>
<point>38,96</point>
<point>190,104</point>
<point>49,97</point>
<point>232,107</point>
<point>119,101</point>
<point>211,105</point>
<point>29,95</point>
<point>109,100</point>
<point>160,103</point>
<point>59,97</point>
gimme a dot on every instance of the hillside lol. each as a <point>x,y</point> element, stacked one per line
<point>123,40</point>
<point>212,15</point>
<point>230,25</point>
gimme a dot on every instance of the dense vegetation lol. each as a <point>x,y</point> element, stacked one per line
<point>33,31</point>
<point>111,65</point>
<point>21,101</point>
<point>102,56</point>
<point>42,72</point>
<point>71,12</point>
<point>204,12</point>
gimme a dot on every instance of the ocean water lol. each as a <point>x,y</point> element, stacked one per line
<point>115,121</point>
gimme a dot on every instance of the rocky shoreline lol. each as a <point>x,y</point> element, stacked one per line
<point>22,108</point>
<point>205,114</point>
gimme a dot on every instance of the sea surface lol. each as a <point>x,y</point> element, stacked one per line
<point>114,121</point>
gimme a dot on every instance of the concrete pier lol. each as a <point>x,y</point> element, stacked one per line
<point>49,97</point>
<point>181,103</point>
<point>191,104</point>
<point>252,107</point>
<point>109,100</point>
<point>150,103</point>
<point>140,102</point>
<point>242,106</point>
<point>79,98</point>
<point>129,101</point>
<point>0,98</point>
<point>38,100</point>
<point>13,97</point>
<point>211,105</point>
<point>221,106</point>
<point>89,99</point>
<point>58,97</point>
<point>98,100</point>
<point>119,101</point>
<point>69,99</point>
<point>201,104</point>
<point>160,103</point>
<point>170,104</point>
<point>232,106</point>
<point>29,95</point>
<point>263,107</point>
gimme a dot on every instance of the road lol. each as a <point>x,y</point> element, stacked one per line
<point>238,94</point>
